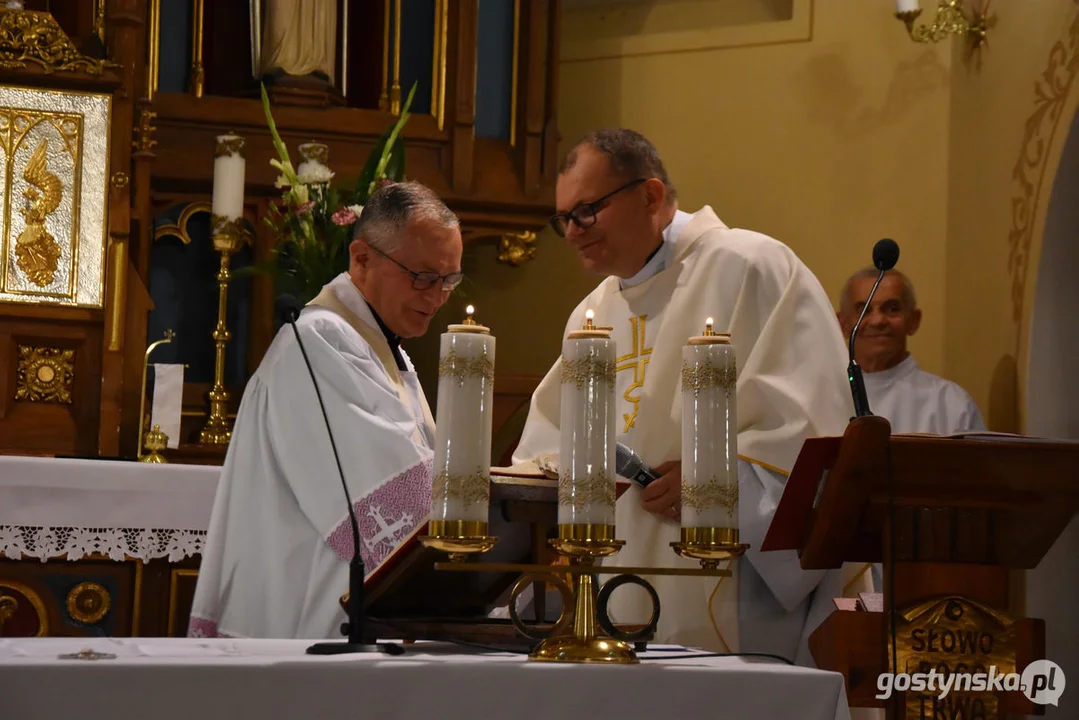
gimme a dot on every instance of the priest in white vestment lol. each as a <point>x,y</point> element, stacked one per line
<point>667,272</point>
<point>279,543</point>
<point>911,399</point>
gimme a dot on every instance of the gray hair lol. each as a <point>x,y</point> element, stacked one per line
<point>631,155</point>
<point>393,206</point>
<point>910,300</point>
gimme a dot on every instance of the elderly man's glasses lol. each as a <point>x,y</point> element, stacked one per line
<point>584,215</point>
<point>427,279</point>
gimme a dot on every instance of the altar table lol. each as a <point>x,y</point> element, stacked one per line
<point>191,679</point>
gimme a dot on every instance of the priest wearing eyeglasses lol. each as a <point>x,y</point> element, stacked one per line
<point>279,543</point>
<point>666,271</point>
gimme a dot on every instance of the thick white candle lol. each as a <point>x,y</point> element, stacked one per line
<point>586,462</point>
<point>709,433</point>
<point>902,6</point>
<point>461,489</point>
<point>229,168</point>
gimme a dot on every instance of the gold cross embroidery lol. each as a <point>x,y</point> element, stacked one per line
<point>638,362</point>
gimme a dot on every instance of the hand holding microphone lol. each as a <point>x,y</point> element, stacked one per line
<point>661,487</point>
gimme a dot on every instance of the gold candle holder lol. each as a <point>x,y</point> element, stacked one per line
<point>228,238</point>
<point>709,450</point>
<point>143,420</point>
<point>460,491</point>
<point>156,442</point>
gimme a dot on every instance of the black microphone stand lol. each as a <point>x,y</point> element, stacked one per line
<point>353,627</point>
<point>854,373</point>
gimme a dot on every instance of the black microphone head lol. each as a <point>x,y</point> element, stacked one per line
<point>885,254</point>
<point>287,308</point>
<point>626,462</point>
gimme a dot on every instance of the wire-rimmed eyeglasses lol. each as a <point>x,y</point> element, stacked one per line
<point>426,279</point>
<point>584,215</point>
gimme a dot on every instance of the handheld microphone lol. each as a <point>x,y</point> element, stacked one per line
<point>287,308</point>
<point>629,465</point>
<point>885,256</point>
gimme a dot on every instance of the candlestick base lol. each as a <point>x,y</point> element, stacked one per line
<point>710,545</point>
<point>458,538</point>
<point>571,649</point>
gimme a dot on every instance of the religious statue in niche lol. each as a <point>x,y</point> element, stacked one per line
<point>298,47</point>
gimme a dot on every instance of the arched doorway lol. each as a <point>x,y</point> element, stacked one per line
<point>1052,401</point>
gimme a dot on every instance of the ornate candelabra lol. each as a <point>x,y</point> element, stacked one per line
<point>951,19</point>
<point>587,495</point>
<point>229,235</point>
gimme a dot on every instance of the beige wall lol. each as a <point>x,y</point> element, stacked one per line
<point>827,143</point>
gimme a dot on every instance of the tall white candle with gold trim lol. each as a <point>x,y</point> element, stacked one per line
<point>227,206</point>
<point>709,433</point>
<point>460,493</point>
<point>586,463</point>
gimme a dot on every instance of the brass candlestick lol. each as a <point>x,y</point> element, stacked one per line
<point>229,237</point>
<point>145,440</point>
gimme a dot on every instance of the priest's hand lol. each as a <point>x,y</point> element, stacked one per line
<point>663,497</point>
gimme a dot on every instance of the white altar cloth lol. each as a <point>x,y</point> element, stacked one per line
<point>54,507</point>
<point>181,679</point>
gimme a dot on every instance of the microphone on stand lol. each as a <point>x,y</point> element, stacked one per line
<point>885,256</point>
<point>287,308</point>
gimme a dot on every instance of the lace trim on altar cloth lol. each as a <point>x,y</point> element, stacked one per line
<point>118,544</point>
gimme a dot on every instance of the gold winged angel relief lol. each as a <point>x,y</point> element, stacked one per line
<point>36,251</point>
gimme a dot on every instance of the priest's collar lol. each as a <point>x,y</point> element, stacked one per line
<point>350,295</point>
<point>884,377</point>
<point>661,257</point>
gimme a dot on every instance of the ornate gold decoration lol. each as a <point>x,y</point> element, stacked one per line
<point>198,72</point>
<point>45,375</point>
<point>950,20</point>
<point>470,489</point>
<point>585,491</point>
<point>228,235</point>
<point>35,37</point>
<point>710,545</point>
<point>156,442</point>
<point>144,131</point>
<point>588,368</point>
<point>35,602</point>
<point>954,634</point>
<point>120,179</point>
<point>517,248</point>
<point>229,145</point>
<point>711,494</point>
<point>637,361</point>
<point>88,602</point>
<point>37,252</point>
<point>8,607</point>
<point>461,368</point>
<point>179,228</point>
<point>706,376</point>
<point>1050,93</point>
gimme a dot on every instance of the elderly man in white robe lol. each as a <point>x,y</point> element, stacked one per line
<point>911,399</point>
<point>279,544</point>
<point>667,271</point>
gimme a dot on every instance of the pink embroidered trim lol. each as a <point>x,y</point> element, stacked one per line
<point>386,516</point>
<point>203,628</point>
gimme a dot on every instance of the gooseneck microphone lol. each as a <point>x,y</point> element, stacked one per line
<point>885,256</point>
<point>629,465</point>
<point>287,309</point>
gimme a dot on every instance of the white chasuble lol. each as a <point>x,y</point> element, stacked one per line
<point>791,385</point>
<point>280,541</point>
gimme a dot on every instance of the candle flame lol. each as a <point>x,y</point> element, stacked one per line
<point>589,315</point>
<point>470,310</point>
<point>708,321</point>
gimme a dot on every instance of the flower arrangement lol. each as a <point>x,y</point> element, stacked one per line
<point>313,220</point>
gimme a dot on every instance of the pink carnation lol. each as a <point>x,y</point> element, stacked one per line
<point>344,216</point>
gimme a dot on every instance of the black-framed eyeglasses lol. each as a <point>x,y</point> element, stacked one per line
<point>426,280</point>
<point>584,215</point>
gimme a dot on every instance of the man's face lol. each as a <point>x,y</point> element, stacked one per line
<point>882,338</point>
<point>621,238</point>
<point>389,288</point>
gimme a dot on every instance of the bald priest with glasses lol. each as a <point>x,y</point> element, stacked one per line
<point>666,271</point>
<point>279,544</point>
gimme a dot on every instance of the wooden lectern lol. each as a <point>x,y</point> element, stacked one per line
<point>950,518</point>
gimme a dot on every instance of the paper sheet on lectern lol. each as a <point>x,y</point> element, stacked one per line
<point>168,400</point>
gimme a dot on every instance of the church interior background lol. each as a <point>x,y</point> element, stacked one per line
<point>818,122</point>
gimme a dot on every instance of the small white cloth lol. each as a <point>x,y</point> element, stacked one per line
<point>168,400</point>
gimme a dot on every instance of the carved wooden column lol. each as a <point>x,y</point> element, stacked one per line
<point>461,44</point>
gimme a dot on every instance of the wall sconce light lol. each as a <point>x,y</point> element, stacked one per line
<point>951,19</point>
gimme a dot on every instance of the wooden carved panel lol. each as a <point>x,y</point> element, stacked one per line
<point>45,374</point>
